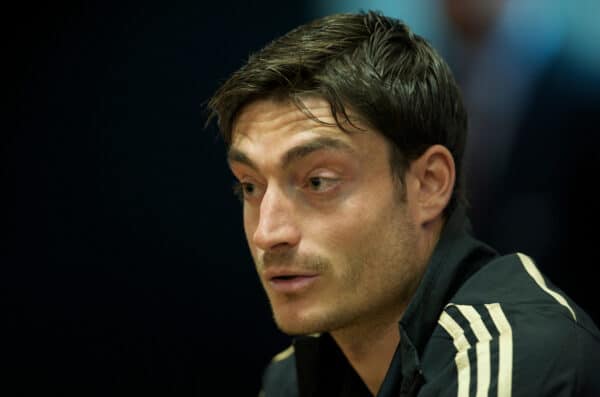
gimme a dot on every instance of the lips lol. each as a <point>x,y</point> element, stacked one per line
<point>289,281</point>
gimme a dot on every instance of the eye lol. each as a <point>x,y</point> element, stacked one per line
<point>244,190</point>
<point>321,184</point>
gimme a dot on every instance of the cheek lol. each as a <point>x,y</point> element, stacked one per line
<point>349,229</point>
<point>365,212</point>
<point>363,232</point>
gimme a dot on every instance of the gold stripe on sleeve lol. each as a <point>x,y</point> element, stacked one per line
<point>284,354</point>
<point>533,271</point>
<point>461,359</point>
<point>505,346</point>
<point>482,348</point>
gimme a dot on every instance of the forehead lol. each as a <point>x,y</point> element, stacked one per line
<point>270,120</point>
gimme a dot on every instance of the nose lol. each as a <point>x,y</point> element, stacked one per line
<point>276,221</point>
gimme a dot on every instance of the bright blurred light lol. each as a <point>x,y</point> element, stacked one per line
<point>538,23</point>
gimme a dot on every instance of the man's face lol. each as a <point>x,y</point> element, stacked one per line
<point>333,242</point>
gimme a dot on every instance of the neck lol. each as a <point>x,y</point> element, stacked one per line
<point>370,351</point>
<point>370,346</point>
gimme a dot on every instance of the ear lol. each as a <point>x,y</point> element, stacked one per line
<point>430,182</point>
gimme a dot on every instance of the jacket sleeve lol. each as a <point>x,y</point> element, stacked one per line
<point>504,350</point>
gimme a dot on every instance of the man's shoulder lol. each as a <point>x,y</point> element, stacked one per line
<point>518,331</point>
<point>515,279</point>
<point>514,286</point>
<point>279,378</point>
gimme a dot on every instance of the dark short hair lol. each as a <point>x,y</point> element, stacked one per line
<point>367,62</point>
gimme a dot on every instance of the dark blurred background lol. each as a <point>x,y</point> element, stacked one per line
<point>126,270</point>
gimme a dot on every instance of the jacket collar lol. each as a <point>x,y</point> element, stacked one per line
<point>456,257</point>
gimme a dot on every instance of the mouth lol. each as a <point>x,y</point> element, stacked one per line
<point>284,278</point>
<point>292,283</point>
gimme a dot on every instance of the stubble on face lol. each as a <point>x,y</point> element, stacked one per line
<point>286,257</point>
<point>362,284</point>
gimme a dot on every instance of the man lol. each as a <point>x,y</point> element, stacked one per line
<point>346,136</point>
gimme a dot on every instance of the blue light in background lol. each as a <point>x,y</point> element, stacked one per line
<point>574,21</point>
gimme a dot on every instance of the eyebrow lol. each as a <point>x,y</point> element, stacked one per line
<point>295,153</point>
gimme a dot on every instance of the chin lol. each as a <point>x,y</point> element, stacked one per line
<point>296,325</point>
